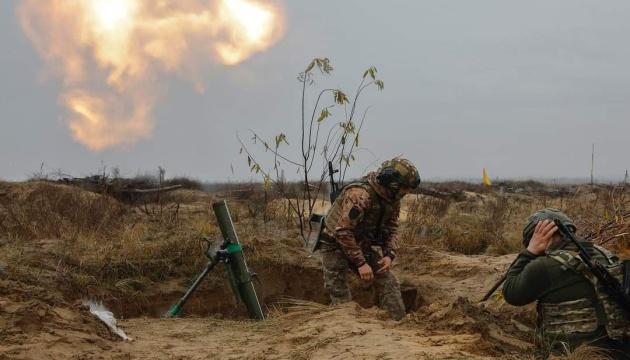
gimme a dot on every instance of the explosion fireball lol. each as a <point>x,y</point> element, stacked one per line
<point>112,54</point>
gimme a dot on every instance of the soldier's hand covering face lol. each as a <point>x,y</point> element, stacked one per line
<point>543,235</point>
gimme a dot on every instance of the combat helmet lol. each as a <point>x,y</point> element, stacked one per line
<point>545,214</point>
<point>396,172</point>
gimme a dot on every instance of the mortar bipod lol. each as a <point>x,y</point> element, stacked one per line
<point>230,253</point>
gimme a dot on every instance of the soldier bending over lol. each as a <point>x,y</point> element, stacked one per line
<point>364,218</point>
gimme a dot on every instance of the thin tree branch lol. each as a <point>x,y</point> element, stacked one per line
<point>310,131</point>
<point>355,139</point>
<point>275,152</point>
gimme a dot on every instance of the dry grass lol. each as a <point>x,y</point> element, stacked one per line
<point>603,215</point>
<point>492,222</point>
<point>85,244</point>
<point>143,253</point>
<point>44,210</point>
<point>482,226</point>
<point>125,236</point>
<point>92,244</point>
<point>466,235</point>
<point>290,307</point>
<point>422,216</point>
<point>88,244</point>
<point>584,352</point>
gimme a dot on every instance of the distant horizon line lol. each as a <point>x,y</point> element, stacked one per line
<point>468,179</point>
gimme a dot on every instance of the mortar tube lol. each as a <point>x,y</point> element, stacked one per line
<point>237,263</point>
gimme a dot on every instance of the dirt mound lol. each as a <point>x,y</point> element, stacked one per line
<point>449,288</point>
<point>41,210</point>
<point>35,323</point>
<point>499,336</point>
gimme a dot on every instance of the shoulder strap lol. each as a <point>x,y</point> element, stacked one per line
<point>612,258</point>
<point>381,212</point>
<point>566,258</point>
<point>571,260</point>
<point>374,196</point>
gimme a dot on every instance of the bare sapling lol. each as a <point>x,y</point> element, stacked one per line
<point>329,131</point>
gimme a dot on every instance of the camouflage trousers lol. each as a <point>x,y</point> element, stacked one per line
<point>336,266</point>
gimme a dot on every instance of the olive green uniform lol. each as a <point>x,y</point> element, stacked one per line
<point>563,292</point>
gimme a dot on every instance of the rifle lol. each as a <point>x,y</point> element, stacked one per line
<point>497,284</point>
<point>316,221</point>
<point>229,253</point>
<point>611,285</point>
<point>334,187</point>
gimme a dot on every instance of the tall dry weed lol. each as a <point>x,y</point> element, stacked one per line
<point>584,352</point>
<point>466,235</point>
<point>422,220</point>
<point>602,214</point>
<point>485,227</point>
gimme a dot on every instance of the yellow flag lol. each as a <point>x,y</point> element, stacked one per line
<point>486,178</point>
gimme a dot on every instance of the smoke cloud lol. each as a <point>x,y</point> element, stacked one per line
<point>111,55</point>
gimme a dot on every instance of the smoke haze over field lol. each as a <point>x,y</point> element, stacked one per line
<point>520,88</point>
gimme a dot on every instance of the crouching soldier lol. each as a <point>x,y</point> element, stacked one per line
<point>364,218</point>
<point>573,307</point>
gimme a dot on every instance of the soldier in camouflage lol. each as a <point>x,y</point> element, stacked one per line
<point>363,220</point>
<point>572,308</point>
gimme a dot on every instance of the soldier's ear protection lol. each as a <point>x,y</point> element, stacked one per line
<point>389,177</point>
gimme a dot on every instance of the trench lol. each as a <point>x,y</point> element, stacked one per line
<point>275,284</point>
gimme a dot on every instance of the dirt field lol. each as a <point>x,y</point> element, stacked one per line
<point>138,260</point>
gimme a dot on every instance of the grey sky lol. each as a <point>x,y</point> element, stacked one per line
<point>521,88</point>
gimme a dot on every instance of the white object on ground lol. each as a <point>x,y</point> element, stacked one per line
<point>106,316</point>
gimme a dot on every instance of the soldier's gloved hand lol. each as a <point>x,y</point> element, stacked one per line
<point>543,234</point>
<point>385,263</point>
<point>365,272</point>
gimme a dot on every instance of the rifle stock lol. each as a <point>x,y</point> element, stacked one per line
<point>498,283</point>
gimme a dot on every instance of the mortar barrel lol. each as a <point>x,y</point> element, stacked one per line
<point>237,263</point>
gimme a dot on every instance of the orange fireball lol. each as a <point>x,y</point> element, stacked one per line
<point>111,54</point>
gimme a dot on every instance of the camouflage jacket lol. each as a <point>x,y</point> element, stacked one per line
<point>362,216</point>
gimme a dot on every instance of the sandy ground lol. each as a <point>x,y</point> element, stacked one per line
<point>449,327</point>
<point>442,291</point>
<point>448,324</point>
<point>346,332</point>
